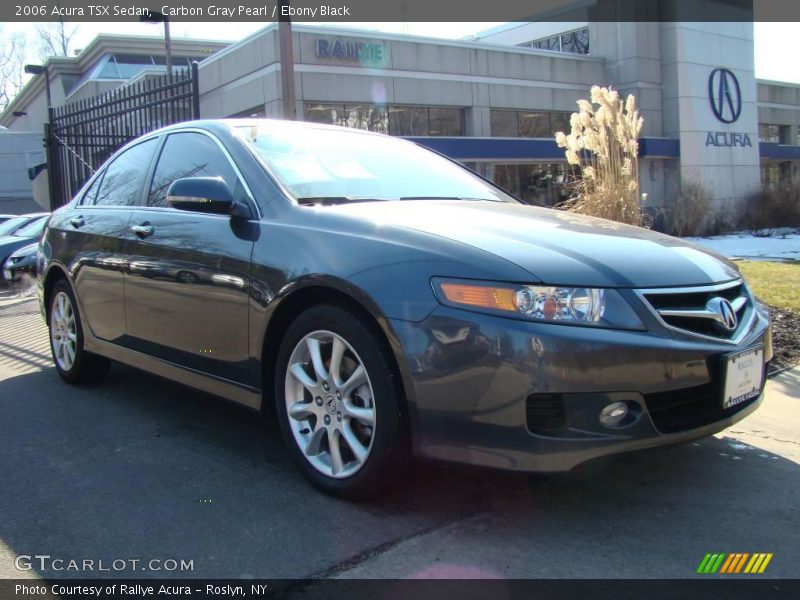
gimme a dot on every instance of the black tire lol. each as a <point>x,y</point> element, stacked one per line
<point>389,458</point>
<point>186,277</point>
<point>86,367</point>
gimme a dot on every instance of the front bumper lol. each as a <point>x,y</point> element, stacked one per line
<point>479,383</point>
<point>14,270</point>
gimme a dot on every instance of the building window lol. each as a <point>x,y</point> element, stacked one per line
<point>394,120</point>
<point>504,123</point>
<point>528,124</point>
<point>770,174</point>
<point>540,184</point>
<point>257,112</point>
<point>768,133</point>
<point>572,42</point>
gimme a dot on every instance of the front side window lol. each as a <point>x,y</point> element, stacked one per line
<point>190,155</point>
<point>124,177</point>
<point>318,163</point>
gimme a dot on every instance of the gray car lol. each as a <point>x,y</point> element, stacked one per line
<point>388,303</point>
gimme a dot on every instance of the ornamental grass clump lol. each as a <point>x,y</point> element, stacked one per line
<point>603,147</point>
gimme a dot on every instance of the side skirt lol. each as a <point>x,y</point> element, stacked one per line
<point>229,390</point>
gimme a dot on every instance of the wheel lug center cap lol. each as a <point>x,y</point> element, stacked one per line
<point>330,404</point>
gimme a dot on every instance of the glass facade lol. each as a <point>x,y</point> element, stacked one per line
<point>540,184</point>
<point>394,119</point>
<point>573,42</point>
<point>768,133</point>
<point>257,112</point>
<point>528,124</point>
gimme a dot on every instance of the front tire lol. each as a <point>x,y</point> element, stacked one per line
<point>73,363</point>
<point>339,406</point>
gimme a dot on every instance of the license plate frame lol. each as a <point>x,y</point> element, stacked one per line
<point>742,381</point>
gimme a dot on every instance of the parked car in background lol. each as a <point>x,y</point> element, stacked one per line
<point>17,222</point>
<point>22,236</point>
<point>388,302</point>
<point>21,262</point>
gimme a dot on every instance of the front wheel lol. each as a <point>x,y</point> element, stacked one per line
<point>73,363</point>
<point>339,406</point>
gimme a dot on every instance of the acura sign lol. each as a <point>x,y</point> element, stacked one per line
<point>725,95</point>
<point>725,99</point>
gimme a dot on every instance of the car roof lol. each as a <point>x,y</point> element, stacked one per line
<point>231,124</point>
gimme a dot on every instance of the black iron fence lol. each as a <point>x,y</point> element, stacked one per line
<point>82,135</point>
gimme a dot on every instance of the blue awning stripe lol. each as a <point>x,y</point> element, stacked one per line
<point>517,149</point>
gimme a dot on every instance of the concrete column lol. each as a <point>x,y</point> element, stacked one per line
<point>478,121</point>
<point>719,152</point>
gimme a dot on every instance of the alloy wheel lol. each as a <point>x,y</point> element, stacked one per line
<point>63,331</point>
<point>330,404</point>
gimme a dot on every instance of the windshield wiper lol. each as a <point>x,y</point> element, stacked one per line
<point>331,200</point>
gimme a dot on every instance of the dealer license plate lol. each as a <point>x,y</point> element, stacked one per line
<point>743,376</point>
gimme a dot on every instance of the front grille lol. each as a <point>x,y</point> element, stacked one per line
<point>689,408</point>
<point>545,413</point>
<point>688,309</point>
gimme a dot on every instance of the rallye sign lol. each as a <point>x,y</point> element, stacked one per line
<point>371,52</point>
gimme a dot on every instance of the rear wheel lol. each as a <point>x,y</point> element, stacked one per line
<point>339,407</point>
<point>73,363</point>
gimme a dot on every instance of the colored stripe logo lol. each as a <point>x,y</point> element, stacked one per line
<point>735,562</point>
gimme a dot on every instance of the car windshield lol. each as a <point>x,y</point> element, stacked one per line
<point>8,227</point>
<point>331,166</point>
<point>32,229</point>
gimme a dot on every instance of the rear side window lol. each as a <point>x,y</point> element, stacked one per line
<point>124,177</point>
<point>189,155</point>
<point>90,197</point>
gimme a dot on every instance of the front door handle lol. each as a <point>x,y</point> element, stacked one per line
<point>142,231</point>
<point>77,222</point>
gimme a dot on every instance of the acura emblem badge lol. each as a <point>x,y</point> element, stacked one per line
<point>724,313</point>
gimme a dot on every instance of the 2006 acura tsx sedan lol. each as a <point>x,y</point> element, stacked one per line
<point>390,303</point>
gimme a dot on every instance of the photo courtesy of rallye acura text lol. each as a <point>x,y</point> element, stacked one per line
<point>390,304</point>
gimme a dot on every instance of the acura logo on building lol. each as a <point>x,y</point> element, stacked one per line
<point>723,312</point>
<point>725,95</point>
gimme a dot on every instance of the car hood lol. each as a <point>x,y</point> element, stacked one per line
<point>26,250</point>
<point>10,243</point>
<point>556,247</point>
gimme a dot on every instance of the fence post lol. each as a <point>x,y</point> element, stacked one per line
<point>50,144</point>
<point>195,90</point>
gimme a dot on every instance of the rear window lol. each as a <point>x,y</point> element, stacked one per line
<point>8,227</point>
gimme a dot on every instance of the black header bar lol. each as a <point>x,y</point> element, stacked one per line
<point>343,11</point>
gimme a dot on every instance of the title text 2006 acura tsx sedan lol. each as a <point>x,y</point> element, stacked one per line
<point>391,303</point>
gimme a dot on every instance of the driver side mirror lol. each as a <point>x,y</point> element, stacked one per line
<point>205,195</point>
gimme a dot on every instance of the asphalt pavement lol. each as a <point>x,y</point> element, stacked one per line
<point>138,468</point>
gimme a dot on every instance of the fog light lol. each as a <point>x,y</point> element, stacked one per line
<point>614,414</point>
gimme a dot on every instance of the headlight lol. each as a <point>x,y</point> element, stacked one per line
<point>25,252</point>
<point>597,307</point>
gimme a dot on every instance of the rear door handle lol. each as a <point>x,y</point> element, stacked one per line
<point>142,231</point>
<point>77,222</point>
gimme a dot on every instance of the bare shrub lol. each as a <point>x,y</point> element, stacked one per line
<point>773,206</point>
<point>603,145</point>
<point>690,213</point>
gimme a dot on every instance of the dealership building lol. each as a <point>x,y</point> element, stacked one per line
<point>495,101</point>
